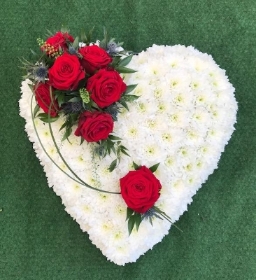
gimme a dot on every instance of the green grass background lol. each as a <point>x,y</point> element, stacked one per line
<point>38,239</point>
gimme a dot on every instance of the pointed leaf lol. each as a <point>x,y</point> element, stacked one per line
<point>82,141</point>
<point>76,43</point>
<point>135,165</point>
<point>131,223</point>
<point>63,125</point>
<point>75,99</point>
<point>125,70</point>
<point>112,165</point>
<point>63,29</point>
<point>125,61</point>
<point>36,110</point>
<point>67,133</point>
<point>125,153</point>
<point>83,37</point>
<point>130,88</point>
<point>90,34</point>
<point>48,120</point>
<point>129,213</point>
<point>113,137</point>
<point>138,220</point>
<point>124,104</point>
<point>129,97</point>
<point>154,167</point>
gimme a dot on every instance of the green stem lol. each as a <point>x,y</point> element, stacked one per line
<point>79,180</point>
<point>166,217</point>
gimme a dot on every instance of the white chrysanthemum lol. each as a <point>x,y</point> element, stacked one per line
<point>183,118</point>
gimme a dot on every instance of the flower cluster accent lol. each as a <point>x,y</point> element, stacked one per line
<point>81,80</point>
<point>183,118</point>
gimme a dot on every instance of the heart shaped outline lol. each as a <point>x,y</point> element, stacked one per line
<point>153,66</point>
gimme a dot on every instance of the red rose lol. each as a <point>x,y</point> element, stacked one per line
<point>94,126</point>
<point>106,87</point>
<point>66,72</point>
<point>94,58</point>
<point>140,189</point>
<point>43,98</point>
<point>59,40</point>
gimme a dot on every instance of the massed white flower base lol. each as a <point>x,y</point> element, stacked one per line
<point>184,118</point>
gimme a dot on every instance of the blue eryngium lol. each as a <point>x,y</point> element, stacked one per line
<point>40,73</point>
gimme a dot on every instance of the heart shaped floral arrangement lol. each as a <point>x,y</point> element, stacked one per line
<point>125,148</point>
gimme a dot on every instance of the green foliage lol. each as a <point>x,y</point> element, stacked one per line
<point>36,110</point>
<point>111,145</point>
<point>71,120</point>
<point>135,166</point>
<point>46,118</point>
<point>115,61</point>
<point>75,44</point>
<point>129,98</point>
<point>134,219</point>
<point>130,88</point>
<point>64,29</point>
<point>125,61</point>
<point>125,70</point>
<point>104,42</point>
<point>154,167</point>
<point>86,38</point>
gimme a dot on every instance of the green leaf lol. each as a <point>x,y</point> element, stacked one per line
<point>129,213</point>
<point>129,98</point>
<point>64,125</point>
<point>115,61</point>
<point>64,29</point>
<point>90,35</point>
<point>154,167</point>
<point>76,43</point>
<point>113,149</point>
<point>125,70</point>
<point>36,110</point>
<point>138,219</point>
<point>82,141</point>
<point>124,104</point>
<point>130,88</point>
<point>112,137</point>
<point>125,61</point>
<point>48,120</point>
<point>83,37</point>
<point>31,87</point>
<point>60,99</point>
<point>112,165</point>
<point>75,99</point>
<point>67,133</point>
<point>131,223</point>
<point>123,148</point>
<point>104,42</point>
<point>124,152</point>
<point>135,165</point>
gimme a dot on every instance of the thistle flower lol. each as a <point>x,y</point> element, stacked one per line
<point>40,72</point>
<point>113,47</point>
<point>72,107</point>
<point>150,214</point>
<point>113,110</point>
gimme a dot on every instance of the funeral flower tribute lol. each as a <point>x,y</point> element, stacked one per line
<point>125,139</point>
